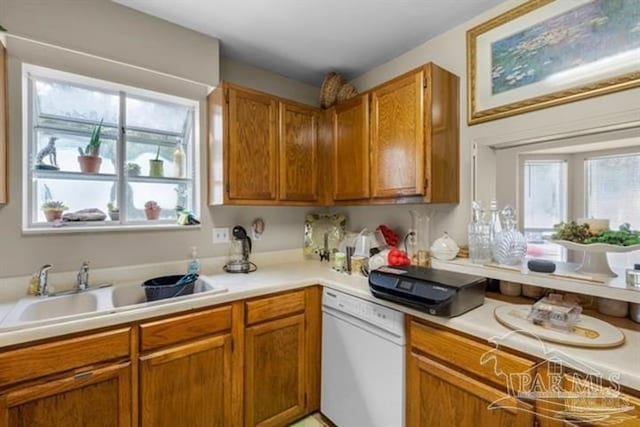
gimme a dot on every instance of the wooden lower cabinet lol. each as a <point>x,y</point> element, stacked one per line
<point>275,370</point>
<point>187,385</point>
<point>438,396</point>
<point>99,397</point>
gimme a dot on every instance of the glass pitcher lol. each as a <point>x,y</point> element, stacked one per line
<point>419,240</point>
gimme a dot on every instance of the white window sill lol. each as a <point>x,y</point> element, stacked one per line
<point>107,228</point>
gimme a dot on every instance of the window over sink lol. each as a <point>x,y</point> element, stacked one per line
<point>100,155</point>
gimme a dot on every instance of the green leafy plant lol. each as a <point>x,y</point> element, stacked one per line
<point>3,29</point>
<point>112,207</point>
<point>573,232</point>
<point>93,148</point>
<point>54,205</point>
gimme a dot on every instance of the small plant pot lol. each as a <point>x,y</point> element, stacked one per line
<point>114,215</point>
<point>156,168</point>
<point>152,214</point>
<point>52,216</point>
<point>90,164</point>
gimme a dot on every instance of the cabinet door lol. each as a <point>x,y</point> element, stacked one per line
<point>4,123</point>
<point>95,398</point>
<point>298,153</point>
<point>397,140</point>
<point>251,145</point>
<point>187,385</point>
<point>351,150</point>
<point>438,396</point>
<point>275,372</point>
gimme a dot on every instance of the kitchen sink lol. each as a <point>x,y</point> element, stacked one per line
<point>33,309</point>
<point>97,301</point>
<point>123,296</point>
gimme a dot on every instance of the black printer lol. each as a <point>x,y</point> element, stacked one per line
<point>437,292</point>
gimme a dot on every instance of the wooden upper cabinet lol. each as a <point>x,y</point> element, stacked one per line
<point>187,385</point>
<point>397,137</point>
<point>350,151</point>
<point>99,397</point>
<point>252,145</point>
<point>298,153</point>
<point>4,123</point>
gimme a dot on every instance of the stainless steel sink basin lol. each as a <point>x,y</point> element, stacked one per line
<point>34,310</point>
<point>123,296</point>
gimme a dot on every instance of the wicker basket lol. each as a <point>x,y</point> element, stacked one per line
<point>347,91</point>
<point>329,91</point>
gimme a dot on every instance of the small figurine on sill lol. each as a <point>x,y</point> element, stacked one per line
<point>48,152</point>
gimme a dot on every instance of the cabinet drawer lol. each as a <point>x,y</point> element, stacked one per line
<point>276,306</point>
<point>63,355</point>
<point>466,353</point>
<point>164,332</point>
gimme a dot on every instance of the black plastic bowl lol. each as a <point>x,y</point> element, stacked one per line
<point>165,287</point>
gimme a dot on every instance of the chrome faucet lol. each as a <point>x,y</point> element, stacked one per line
<point>43,277</point>
<point>82,279</point>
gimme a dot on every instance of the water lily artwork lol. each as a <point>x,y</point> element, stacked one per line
<point>546,52</point>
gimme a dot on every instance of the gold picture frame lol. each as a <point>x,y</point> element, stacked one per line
<point>481,52</point>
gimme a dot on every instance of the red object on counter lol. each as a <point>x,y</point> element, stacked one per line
<point>391,238</point>
<point>398,258</point>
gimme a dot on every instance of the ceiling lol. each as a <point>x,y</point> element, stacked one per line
<point>304,39</point>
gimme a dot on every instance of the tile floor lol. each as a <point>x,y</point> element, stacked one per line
<point>314,420</point>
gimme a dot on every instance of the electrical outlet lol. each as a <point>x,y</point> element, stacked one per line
<point>220,235</point>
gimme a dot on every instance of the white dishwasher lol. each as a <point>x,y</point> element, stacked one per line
<point>363,362</point>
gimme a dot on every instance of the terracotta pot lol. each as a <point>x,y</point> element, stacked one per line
<point>52,215</point>
<point>90,164</point>
<point>152,214</point>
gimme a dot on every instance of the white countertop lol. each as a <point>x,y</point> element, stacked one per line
<point>621,363</point>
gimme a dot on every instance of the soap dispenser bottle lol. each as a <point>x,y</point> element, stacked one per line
<point>194,264</point>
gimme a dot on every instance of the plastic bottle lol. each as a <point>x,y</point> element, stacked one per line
<point>194,264</point>
<point>179,161</point>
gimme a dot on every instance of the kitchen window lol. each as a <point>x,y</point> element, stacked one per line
<point>145,171</point>
<point>545,203</point>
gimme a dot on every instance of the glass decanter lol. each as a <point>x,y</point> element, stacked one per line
<point>510,245</point>
<point>479,236</point>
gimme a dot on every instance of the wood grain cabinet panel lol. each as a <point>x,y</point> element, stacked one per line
<point>4,128</point>
<point>350,153</point>
<point>298,153</point>
<point>189,326</point>
<point>397,138</point>
<point>187,385</point>
<point>252,145</point>
<point>58,356</point>
<point>275,306</point>
<point>94,398</point>
<point>275,372</point>
<point>438,396</point>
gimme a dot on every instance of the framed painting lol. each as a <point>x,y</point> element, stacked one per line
<point>545,52</point>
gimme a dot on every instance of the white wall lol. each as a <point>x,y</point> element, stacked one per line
<point>266,81</point>
<point>449,51</point>
<point>109,30</point>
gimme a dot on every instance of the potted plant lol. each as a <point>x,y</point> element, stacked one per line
<point>114,211</point>
<point>156,166</point>
<point>152,210</point>
<point>89,158</point>
<point>133,169</point>
<point>53,210</point>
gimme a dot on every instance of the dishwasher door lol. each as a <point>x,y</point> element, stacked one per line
<point>362,373</point>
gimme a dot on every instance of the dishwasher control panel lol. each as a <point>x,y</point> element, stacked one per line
<point>383,317</point>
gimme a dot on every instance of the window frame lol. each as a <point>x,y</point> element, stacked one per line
<point>30,73</point>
